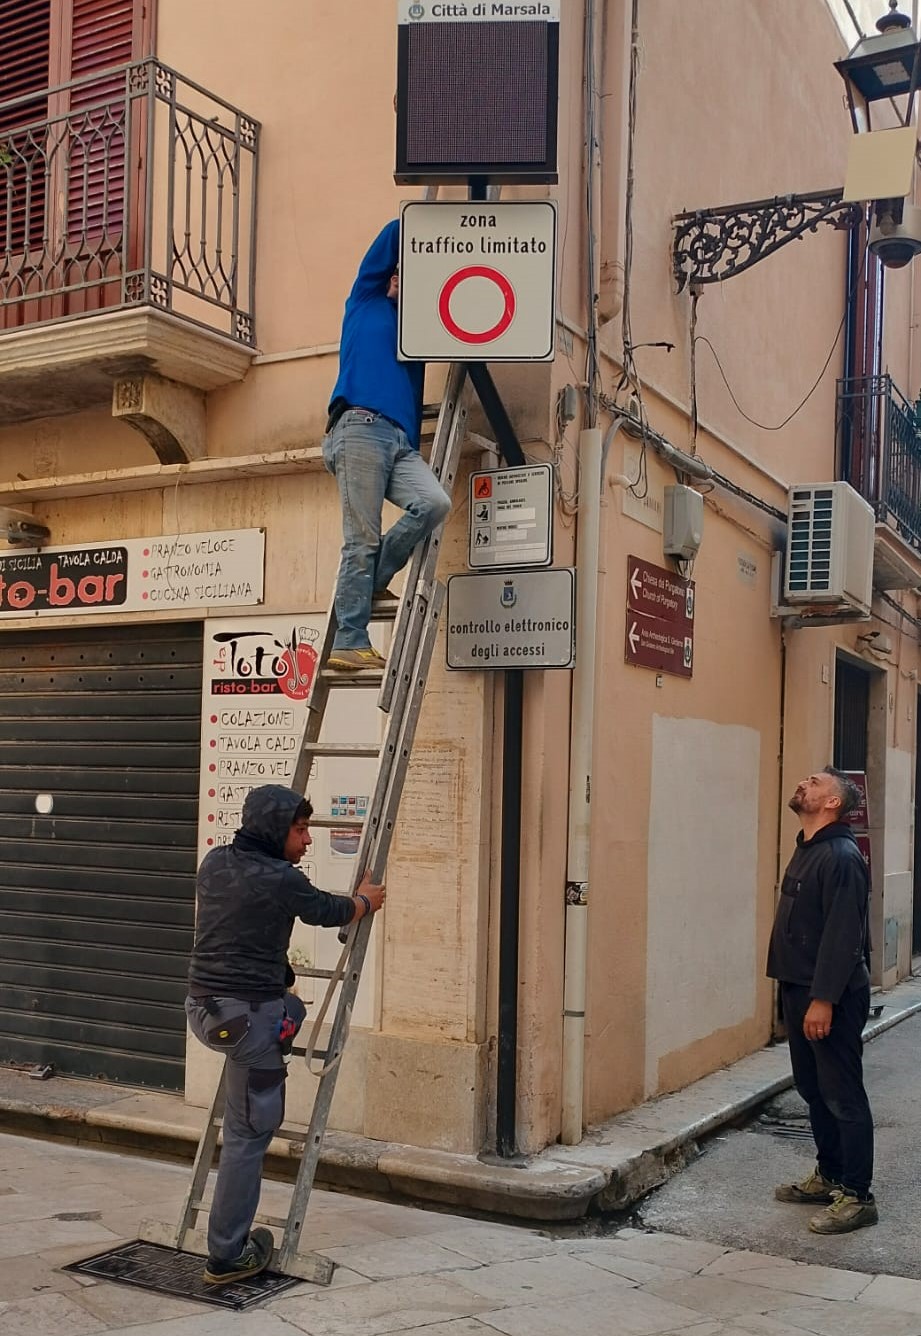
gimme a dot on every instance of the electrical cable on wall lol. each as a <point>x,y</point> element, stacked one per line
<point>778,426</point>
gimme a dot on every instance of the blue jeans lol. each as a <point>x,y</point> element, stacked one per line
<point>254,1106</point>
<point>373,461</point>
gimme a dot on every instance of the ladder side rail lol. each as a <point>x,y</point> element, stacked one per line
<point>323,1097</point>
<point>413,709</point>
<point>317,699</point>
<point>424,561</point>
<point>338,1032</point>
<point>453,408</point>
<point>201,1166</point>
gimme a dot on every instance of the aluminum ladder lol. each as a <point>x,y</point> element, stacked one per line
<point>401,684</point>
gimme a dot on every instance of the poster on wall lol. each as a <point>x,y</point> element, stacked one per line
<point>859,819</point>
<point>257,675</point>
<point>163,573</point>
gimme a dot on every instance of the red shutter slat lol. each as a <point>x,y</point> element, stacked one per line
<point>103,37</point>
<point>25,38</point>
<point>25,45</point>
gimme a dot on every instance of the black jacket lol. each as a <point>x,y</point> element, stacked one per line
<point>247,898</point>
<point>820,937</point>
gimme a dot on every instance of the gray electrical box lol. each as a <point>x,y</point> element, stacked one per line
<point>684,522</point>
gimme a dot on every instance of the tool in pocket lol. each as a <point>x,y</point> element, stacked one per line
<point>227,1034</point>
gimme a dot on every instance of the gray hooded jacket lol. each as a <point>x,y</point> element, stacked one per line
<point>247,898</point>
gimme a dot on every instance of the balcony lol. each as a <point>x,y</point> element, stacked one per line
<point>878,433</point>
<point>127,250</point>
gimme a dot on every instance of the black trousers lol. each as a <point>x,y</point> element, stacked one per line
<point>829,1075</point>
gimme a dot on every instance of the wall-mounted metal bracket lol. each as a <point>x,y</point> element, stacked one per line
<point>20,529</point>
<point>712,245</point>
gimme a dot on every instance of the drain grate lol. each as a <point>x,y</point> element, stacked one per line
<point>794,1130</point>
<point>151,1266</point>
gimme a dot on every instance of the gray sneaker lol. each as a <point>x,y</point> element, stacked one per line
<point>255,1257</point>
<point>816,1190</point>
<point>847,1212</point>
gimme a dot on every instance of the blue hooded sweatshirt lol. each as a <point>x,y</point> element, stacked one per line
<point>369,374</point>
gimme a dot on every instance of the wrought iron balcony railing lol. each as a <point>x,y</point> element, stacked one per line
<point>133,187</point>
<point>879,450</point>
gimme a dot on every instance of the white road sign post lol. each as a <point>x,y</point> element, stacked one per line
<point>511,517</point>
<point>477,281</point>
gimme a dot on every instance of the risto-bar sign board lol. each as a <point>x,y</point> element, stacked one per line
<point>169,572</point>
<point>477,281</point>
<point>660,619</point>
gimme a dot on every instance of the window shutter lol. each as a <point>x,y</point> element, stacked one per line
<point>25,45</point>
<point>102,37</point>
<point>25,37</point>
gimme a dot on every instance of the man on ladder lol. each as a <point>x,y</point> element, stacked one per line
<point>372,449</point>
<point>248,895</point>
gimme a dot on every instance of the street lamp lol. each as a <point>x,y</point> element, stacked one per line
<point>881,162</point>
<point>882,67</point>
<point>711,245</point>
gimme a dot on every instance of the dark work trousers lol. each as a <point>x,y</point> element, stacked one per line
<point>829,1075</point>
<point>254,1106</point>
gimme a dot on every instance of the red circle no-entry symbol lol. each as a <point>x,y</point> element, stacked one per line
<point>451,286</point>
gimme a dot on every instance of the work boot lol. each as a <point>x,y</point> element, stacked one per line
<point>816,1190</point>
<point>354,660</point>
<point>255,1257</point>
<point>847,1212</point>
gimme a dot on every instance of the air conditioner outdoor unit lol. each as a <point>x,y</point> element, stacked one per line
<point>829,559</point>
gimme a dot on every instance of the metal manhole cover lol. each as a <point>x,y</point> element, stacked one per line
<point>151,1266</point>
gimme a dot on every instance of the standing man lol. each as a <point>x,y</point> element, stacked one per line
<point>248,895</point>
<point>372,448</point>
<point>820,953</point>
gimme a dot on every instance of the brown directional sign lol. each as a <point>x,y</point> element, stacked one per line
<point>656,591</point>
<point>659,629</point>
<point>653,643</point>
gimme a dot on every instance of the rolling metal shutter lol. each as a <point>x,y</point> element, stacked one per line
<point>97,899</point>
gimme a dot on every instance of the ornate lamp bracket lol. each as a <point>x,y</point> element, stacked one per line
<point>712,245</point>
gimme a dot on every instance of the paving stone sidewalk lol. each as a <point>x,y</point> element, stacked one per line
<point>403,1269</point>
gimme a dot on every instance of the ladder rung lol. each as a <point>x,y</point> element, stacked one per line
<point>310,973</point>
<point>337,822</point>
<point>369,749</point>
<point>385,612</point>
<point>273,1221</point>
<point>287,1134</point>
<point>361,677</point>
<point>320,1053</point>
